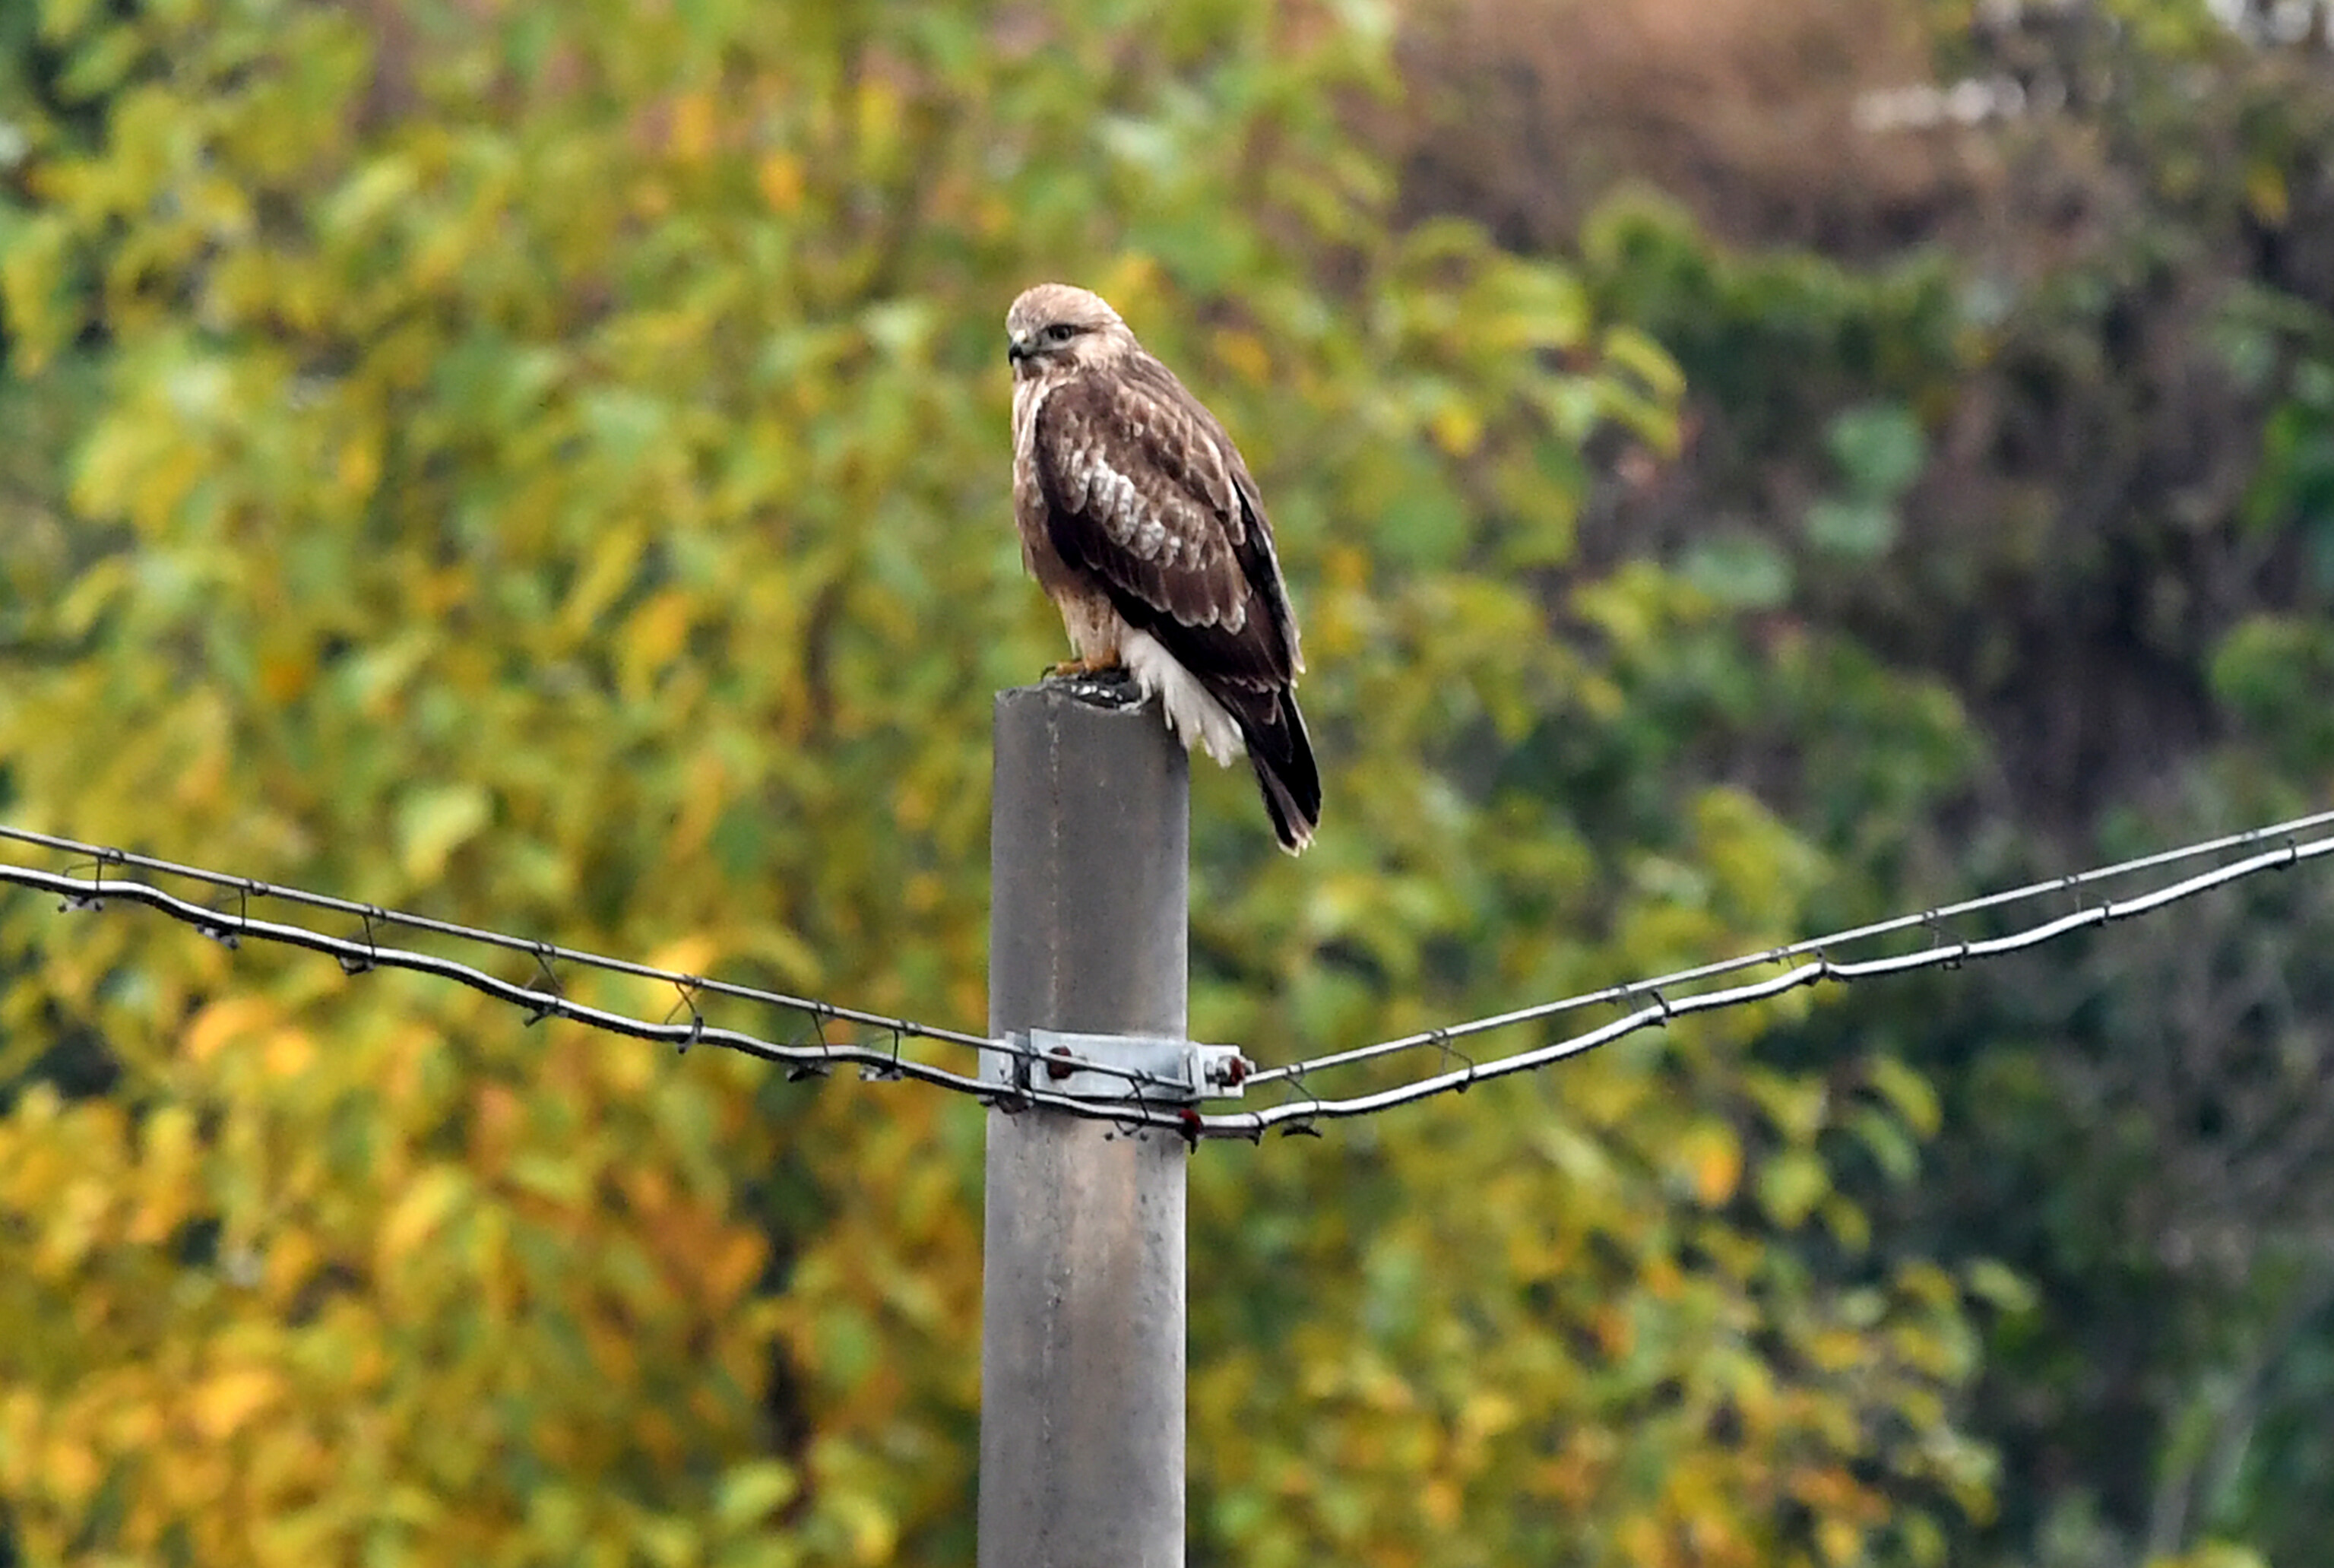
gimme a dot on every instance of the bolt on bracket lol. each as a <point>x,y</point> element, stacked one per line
<point>1159,1068</point>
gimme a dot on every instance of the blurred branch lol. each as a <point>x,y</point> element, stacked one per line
<point>2183,1498</point>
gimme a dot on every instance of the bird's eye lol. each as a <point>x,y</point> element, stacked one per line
<point>1060,332</point>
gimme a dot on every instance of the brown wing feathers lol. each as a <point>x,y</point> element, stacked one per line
<point>1145,491</point>
<point>1184,558</point>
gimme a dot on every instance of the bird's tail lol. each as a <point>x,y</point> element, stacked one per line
<point>1282,754</point>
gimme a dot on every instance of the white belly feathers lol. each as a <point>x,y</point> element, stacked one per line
<point>1198,719</point>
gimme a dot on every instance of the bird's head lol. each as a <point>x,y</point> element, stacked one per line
<point>1055,327</point>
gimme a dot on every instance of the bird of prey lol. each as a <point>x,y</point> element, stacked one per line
<point>1140,521</point>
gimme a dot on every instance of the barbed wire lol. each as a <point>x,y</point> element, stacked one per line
<point>1932,919</point>
<point>248,887</point>
<point>1299,1113</point>
<point>358,956</point>
<point>1296,1114</point>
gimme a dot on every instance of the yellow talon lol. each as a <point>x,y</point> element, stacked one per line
<point>1069,668</point>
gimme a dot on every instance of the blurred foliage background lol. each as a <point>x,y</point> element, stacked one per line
<point>1743,469</point>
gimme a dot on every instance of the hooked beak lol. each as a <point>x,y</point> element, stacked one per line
<point>1016,351</point>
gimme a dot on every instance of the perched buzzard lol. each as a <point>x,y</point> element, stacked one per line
<point>1139,519</point>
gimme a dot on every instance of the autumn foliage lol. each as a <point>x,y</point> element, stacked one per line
<point>545,466</point>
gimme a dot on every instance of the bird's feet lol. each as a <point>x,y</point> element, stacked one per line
<point>1088,670</point>
<point>1110,685</point>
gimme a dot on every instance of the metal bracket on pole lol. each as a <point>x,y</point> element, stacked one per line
<point>1128,1067</point>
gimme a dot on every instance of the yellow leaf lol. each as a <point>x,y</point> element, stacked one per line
<point>749,1492</point>
<point>1642,1540</point>
<point>653,636</point>
<point>614,561</point>
<point>780,176</point>
<point>1487,1413</point>
<point>284,674</point>
<point>872,1531</point>
<point>165,1180</point>
<point>879,114</point>
<point>132,1428</point>
<point>1651,363</point>
<point>688,955</point>
<point>693,127</point>
<point>736,1266</point>
<point>1131,282</point>
<point>20,1422</point>
<point>227,1400</point>
<point>291,1258</point>
<point>419,1213</point>
<point>359,469</point>
<point>1244,352</point>
<point>73,1225</point>
<point>434,821</point>
<point>32,272</point>
<point>1835,1350</point>
<point>72,1470</point>
<point>290,1052</point>
<point>1457,427</point>
<point>195,1481</point>
<point>2266,194</point>
<point>169,1139</point>
<point>1713,1160</point>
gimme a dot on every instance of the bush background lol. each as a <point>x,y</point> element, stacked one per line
<point>545,466</point>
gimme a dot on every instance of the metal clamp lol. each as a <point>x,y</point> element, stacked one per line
<point>1123,1067</point>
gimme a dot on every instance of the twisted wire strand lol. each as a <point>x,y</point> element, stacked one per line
<point>1296,1115</point>
<point>251,887</point>
<point>359,957</point>
<point>1440,1038</point>
<point>374,918</point>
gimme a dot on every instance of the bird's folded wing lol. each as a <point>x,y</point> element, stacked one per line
<point>1144,490</point>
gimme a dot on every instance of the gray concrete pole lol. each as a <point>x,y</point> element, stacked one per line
<point>1083,1315</point>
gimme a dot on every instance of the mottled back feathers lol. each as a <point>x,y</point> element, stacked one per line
<point>1127,489</point>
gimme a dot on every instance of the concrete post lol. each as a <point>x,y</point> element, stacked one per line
<point>1082,1352</point>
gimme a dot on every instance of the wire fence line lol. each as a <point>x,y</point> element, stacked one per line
<point>85,887</point>
<point>541,998</point>
<point>1932,919</point>
<point>1945,955</point>
<point>804,1059</point>
<point>98,857</point>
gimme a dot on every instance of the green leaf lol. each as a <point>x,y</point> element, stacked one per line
<point>1879,448</point>
<point>1996,1284</point>
<point>1740,570</point>
<point>1859,530</point>
<point>1889,1142</point>
<point>433,821</point>
<point>751,1493</point>
<point>1907,1092</point>
<point>1790,1185</point>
